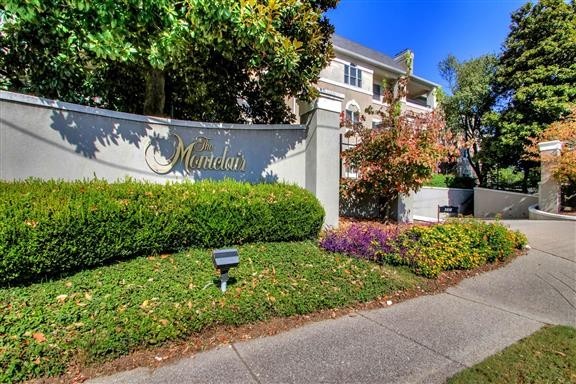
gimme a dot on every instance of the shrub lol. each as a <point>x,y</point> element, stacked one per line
<point>465,182</point>
<point>50,227</point>
<point>447,181</point>
<point>360,240</point>
<point>458,244</point>
<point>437,180</point>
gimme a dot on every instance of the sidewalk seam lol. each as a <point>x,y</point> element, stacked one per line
<point>463,365</point>
<point>551,254</point>
<point>497,308</point>
<point>245,364</point>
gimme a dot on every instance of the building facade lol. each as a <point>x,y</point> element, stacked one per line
<point>359,74</point>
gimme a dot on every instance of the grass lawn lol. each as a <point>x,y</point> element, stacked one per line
<point>99,314</point>
<point>547,356</point>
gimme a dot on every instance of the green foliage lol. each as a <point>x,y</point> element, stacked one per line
<point>438,180</point>
<point>52,227</point>
<point>509,176</point>
<point>547,356</point>
<point>563,165</point>
<point>458,244</point>
<point>100,314</point>
<point>472,97</point>
<point>450,181</point>
<point>192,59</point>
<point>536,77</point>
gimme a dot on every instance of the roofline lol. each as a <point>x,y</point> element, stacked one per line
<point>384,65</point>
<point>367,59</point>
<point>426,82</point>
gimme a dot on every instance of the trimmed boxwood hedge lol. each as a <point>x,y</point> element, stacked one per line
<point>51,227</point>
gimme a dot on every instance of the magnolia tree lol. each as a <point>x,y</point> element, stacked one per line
<point>205,60</point>
<point>399,155</point>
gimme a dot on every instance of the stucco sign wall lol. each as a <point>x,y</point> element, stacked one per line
<point>54,140</point>
<point>48,139</point>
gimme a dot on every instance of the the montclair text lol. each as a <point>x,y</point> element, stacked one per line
<point>197,155</point>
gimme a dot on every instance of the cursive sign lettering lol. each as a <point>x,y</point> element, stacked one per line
<point>197,155</point>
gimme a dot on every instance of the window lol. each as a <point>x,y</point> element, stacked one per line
<point>352,116</point>
<point>352,75</point>
<point>376,124</point>
<point>376,92</point>
<point>345,170</point>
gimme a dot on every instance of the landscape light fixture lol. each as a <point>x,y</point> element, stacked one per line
<point>223,260</point>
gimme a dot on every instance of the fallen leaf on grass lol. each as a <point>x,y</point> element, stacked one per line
<point>39,337</point>
<point>61,298</point>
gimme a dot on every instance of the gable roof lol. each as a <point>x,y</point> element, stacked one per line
<point>342,44</point>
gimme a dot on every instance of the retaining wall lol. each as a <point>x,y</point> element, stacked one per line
<point>425,202</point>
<point>490,203</point>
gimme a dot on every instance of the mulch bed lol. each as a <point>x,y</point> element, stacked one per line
<point>224,335</point>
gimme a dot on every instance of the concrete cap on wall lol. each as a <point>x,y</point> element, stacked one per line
<point>327,100</point>
<point>554,145</point>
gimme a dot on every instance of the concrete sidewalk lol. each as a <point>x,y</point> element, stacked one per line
<point>424,340</point>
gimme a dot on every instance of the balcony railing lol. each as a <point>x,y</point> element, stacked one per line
<point>419,105</point>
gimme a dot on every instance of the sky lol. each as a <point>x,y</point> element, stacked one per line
<point>432,29</point>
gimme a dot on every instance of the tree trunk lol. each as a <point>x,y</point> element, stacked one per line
<point>526,170</point>
<point>155,93</point>
<point>478,169</point>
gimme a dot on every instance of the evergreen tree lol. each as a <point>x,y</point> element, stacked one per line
<point>470,100</point>
<point>208,60</point>
<point>536,77</point>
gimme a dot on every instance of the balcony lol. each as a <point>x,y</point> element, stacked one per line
<point>417,105</point>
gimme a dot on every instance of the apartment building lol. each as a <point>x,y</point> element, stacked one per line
<point>359,72</point>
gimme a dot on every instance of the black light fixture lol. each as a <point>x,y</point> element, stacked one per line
<point>223,260</point>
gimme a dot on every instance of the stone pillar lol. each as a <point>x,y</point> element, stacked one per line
<point>431,98</point>
<point>548,188</point>
<point>322,118</point>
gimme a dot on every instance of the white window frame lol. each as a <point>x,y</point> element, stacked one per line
<point>352,75</point>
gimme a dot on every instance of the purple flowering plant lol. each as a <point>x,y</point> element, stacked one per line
<point>359,240</point>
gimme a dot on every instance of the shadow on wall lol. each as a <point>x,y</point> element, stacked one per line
<point>463,199</point>
<point>83,131</point>
<point>109,139</point>
<point>368,208</point>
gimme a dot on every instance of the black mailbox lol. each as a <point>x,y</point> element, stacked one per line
<point>450,209</point>
<point>447,209</point>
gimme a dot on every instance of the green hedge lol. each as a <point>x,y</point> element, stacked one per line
<point>451,181</point>
<point>50,227</point>
<point>457,244</point>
